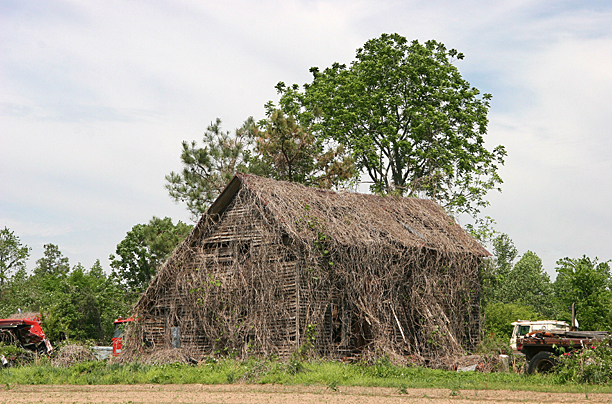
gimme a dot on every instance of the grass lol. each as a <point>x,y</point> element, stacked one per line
<point>325,373</point>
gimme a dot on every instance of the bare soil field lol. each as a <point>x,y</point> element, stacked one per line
<point>258,394</point>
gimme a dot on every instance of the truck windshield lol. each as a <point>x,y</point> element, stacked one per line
<point>522,330</point>
<point>119,330</point>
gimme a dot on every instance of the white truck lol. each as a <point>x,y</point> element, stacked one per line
<point>523,327</point>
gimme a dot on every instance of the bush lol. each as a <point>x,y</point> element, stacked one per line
<point>493,345</point>
<point>15,355</point>
<point>499,316</point>
<point>592,365</point>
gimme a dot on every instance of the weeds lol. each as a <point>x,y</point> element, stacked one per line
<point>333,375</point>
<point>591,365</point>
<point>333,385</point>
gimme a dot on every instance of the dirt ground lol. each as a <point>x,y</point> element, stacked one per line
<point>275,394</point>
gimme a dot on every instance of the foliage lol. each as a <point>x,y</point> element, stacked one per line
<point>264,371</point>
<point>482,230</point>
<point>84,306</point>
<point>208,169</point>
<point>494,344</point>
<point>592,365</point>
<point>78,304</point>
<point>532,286</point>
<point>16,355</point>
<point>276,147</point>
<point>409,119</point>
<point>144,249</point>
<point>290,152</point>
<point>505,253</point>
<point>53,262</point>
<point>524,283</point>
<point>585,282</point>
<point>499,316</point>
<point>13,255</point>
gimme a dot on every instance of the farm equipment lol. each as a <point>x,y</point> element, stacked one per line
<point>26,333</point>
<point>117,339</point>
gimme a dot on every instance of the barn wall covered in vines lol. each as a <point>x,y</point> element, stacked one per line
<point>275,268</point>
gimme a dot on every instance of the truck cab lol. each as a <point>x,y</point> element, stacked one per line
<point>524,327</point>
<point>117,339</point>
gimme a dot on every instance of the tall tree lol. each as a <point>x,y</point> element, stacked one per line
<point>13,255</point>
<point>530,285</point>
<point>499,285</point>
<point>587,283</point>
<point>409,118</point>
<point>52,263</point>
<point>289,152</point>
<point>276,147</point>
<point>525,283</point>
<point>208,169</point>
<point>144,249</point>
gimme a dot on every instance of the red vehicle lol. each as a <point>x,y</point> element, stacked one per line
<point>25,332</point>
<point>117,339</point>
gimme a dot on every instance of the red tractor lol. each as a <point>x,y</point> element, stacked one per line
<point>117,339</point>
<point>25,332</point>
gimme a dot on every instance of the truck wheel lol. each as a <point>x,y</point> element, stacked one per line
<point>542,362</point>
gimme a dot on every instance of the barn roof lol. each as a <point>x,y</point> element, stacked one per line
<point>352,219</point>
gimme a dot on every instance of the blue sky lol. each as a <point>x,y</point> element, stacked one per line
<point>96,97</point>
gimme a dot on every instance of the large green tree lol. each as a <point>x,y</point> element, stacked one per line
<point>497,277</point>
<point>586,282</point>
<point>524,283</point>
<point>77,303</point>
<point>84,304</point>
<point>412,123</point>
<point>143,250</point>
<point>13,255</point>
<point>530,285</point>
<point>52,263</point>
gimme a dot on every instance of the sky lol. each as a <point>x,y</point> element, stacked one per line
<point>96,98</point>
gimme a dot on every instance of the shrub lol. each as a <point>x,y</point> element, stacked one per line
<point>592,365</point>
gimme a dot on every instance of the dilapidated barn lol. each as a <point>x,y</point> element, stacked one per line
<point>276,267</point>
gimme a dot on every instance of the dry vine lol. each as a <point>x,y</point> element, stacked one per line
<point>279,268</point>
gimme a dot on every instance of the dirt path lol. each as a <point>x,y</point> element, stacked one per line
<point>275,394</point>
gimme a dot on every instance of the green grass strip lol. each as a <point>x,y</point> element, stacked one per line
<point>326,373</point>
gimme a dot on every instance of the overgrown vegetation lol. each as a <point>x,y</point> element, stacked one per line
<point>281,257</point>
<point>592,365</point>
<point>16,356</point>
<point>254,371</point>
<point>518,287</point>
<point>408,143</point>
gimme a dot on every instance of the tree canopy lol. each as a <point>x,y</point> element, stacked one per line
<point>208,169</point>
<point>52,263</point>
<point>74,302</point>
<point>143,250</point>
<point>586,282</point>
<point>276,147</point>
<point>288,151</point>
<point>13,255</point>
<point>410,120</point>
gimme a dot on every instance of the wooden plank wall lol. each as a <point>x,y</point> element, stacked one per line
<point>219,254</point>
